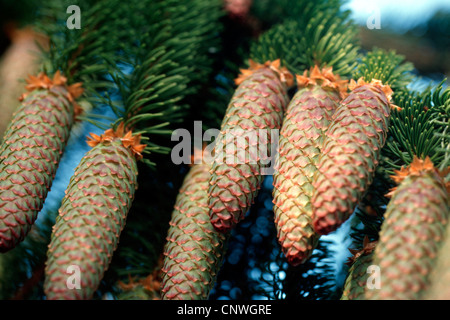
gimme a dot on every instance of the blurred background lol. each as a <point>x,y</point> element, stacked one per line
<point>254,267</point>
<point>417,29</point>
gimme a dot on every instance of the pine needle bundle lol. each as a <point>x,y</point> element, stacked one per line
<point>419,128</point>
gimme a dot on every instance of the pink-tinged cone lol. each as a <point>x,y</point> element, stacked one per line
<point>359,272</point>
<point>194,249</point>
<point>257,104</point>
<point>439,288</point>
<point>91,218</point>
<point>350,155</point>
<point>307,117</point>
<point>412,233</point>
<point>29,157</point>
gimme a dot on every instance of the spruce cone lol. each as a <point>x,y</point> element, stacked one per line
<point>30,153</point>
<point>92,215</point>
<point>439,288</point>
<point>258,103</point>
<point>306,119</point>
<point>194,250</point>
<point>412,232</point>
<point>356,282</point>
<point>350,154</point>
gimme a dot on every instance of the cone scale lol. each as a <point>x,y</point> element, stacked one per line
<point>92,215</point>
<point>30,153</point>
<point>255,109</point>
<point>194,249</point>
<point>301,136</point>
<point>350,154</point>
<point>412,232</point>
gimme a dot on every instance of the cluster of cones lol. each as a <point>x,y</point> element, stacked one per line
<point>331,135</point>
<point>99,195</point>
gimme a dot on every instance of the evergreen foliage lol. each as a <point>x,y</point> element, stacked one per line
<point>87,54</point>
<point>317,34</point>
<point>158,65</point>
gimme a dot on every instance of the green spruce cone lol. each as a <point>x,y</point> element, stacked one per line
<point>30,153</point>
<point>350,154</point>
<point>194,249</point>
<point>412,232</point>
<point>255,109</point>
<point>439,288</point>
<point>301,136</point>
<point>356,282</point>
<point>92,216</point>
